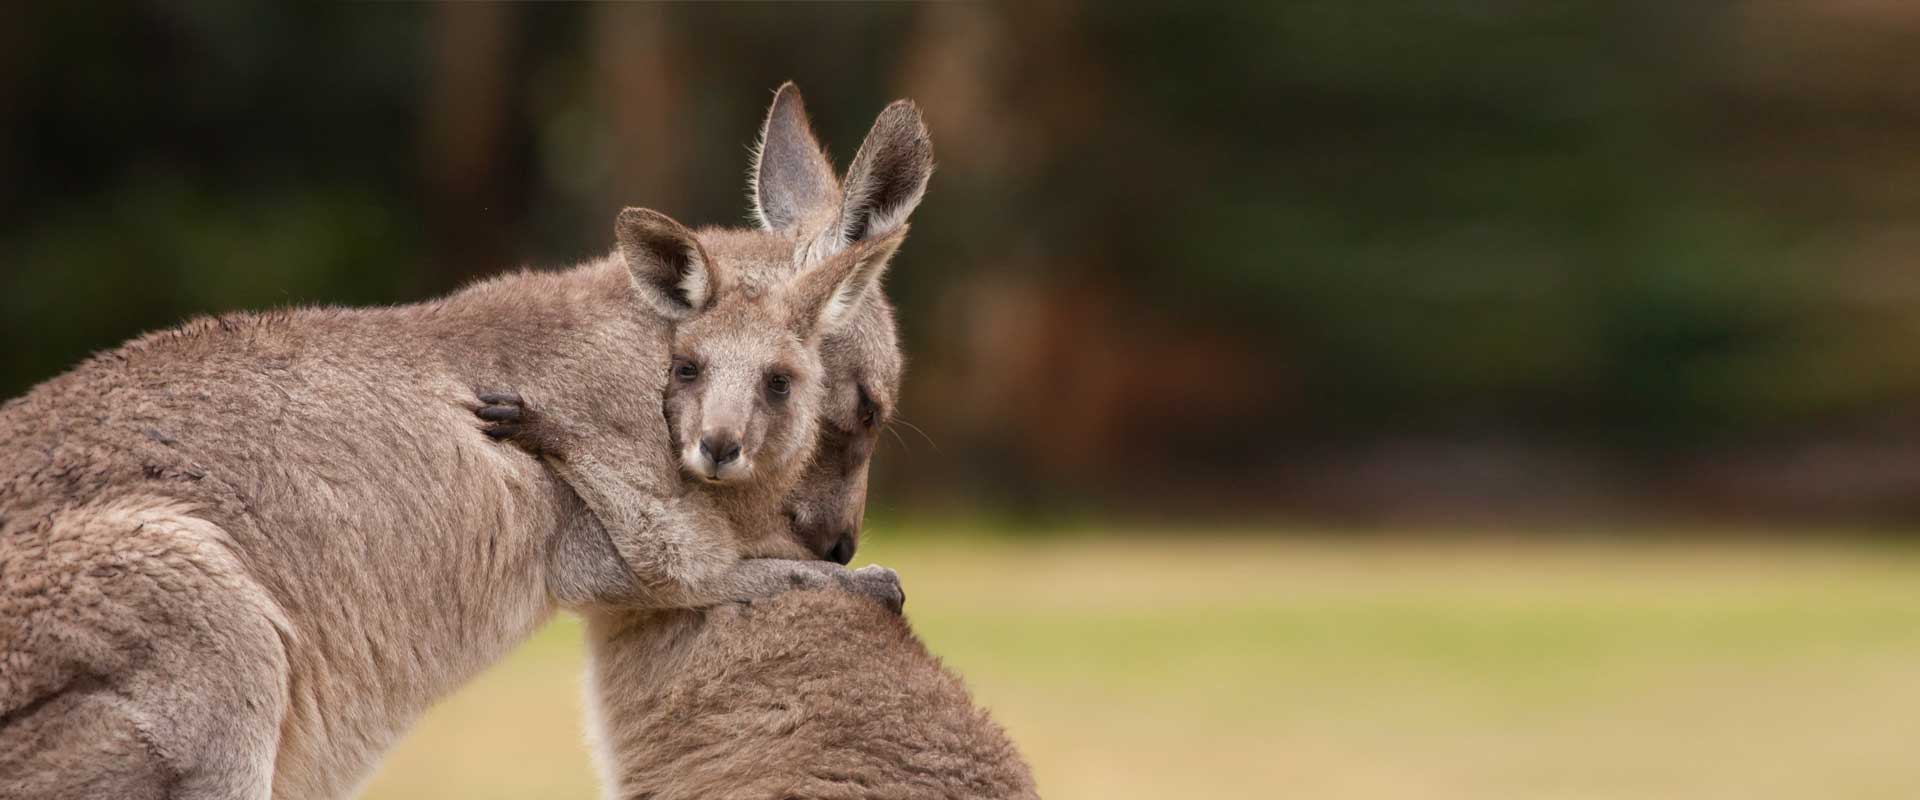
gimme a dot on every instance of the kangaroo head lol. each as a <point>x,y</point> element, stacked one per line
<point>797,197</point>
<point>745,385</point>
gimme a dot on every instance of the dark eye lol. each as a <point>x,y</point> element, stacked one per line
<point>686,371</point>
<point>779,384</point>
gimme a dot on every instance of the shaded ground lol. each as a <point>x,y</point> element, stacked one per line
<point>1179,664</point>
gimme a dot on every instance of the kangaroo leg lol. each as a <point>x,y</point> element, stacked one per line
<point>139,660</point>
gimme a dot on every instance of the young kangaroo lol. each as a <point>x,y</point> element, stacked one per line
<point>805,296</point>
<point>796,195</point>
<point>242,556</point>
<point>744,394</point>
<point>817,694</point>
<point>824,694</point>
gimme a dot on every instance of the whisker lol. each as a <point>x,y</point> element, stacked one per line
<point>916,429</point>
<point>903,441</point>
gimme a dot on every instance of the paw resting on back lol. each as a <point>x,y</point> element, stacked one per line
<point>505,417</point>
<point>874,582</point>
<point>879,583</point>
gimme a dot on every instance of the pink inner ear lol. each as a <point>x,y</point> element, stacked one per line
<point>793,180</point>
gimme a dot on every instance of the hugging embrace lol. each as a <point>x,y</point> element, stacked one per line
<point>240,557</point>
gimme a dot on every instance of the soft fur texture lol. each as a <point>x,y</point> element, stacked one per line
<point>815,694</point>
<point>779,307</point>
<point>259,546</point>
<point>243,555</point>
<point>825,695</point>
<point>796,197</point>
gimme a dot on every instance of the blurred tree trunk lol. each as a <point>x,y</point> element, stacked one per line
<point>466,139</point>
<point>635,69</point>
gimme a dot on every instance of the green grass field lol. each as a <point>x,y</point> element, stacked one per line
<point>1161,664</point>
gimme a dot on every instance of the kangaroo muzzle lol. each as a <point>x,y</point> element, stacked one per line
<point>718,456</point>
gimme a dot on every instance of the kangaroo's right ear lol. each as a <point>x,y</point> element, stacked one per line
<point>887,177</point>
<point>792,179</point>
<point>670,271</point>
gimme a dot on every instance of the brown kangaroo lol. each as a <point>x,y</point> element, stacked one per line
<point>243,555</point>
<point>819,694</point>
<point>822,694</point>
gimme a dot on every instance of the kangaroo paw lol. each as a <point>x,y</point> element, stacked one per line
<point>879,583</point>
<point>505,417</point>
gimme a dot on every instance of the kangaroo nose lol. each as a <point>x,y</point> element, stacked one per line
<point>723,449</point>
<point>841,551</point>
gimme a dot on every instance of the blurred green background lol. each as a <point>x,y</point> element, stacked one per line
<point>1363,399</point>
<point>1168,663</point>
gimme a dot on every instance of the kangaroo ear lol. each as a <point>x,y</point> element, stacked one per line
<point>886,180</point>
<point>671,272</point>
<point>829,294</point>
<point>792,179</point>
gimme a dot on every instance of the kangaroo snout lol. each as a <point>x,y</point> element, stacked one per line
<point>832,541</point>
<point>719,457</point>
<point>842,550</point>
<point>722,449</point>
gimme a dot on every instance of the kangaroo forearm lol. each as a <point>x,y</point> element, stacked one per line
<point>584,570</point>
<point>748,579</point>
<point>677,556</point>
<point>625,508</point>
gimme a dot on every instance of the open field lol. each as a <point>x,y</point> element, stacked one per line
<point>1164,664</point>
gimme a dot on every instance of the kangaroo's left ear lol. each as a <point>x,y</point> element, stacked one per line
<point>792,180</point>
<point>670,270</point>
<point>826,296</point>
<point>885,182</point>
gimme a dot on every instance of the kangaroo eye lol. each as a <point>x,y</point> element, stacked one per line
<point>779,384</point>
<point>686,371</point>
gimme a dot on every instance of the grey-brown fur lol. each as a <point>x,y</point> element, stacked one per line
<point>800,203</point>
<point>795,194</point>
<point>801,293</point>
<point>265,543</point>
<point>243,555</point>
<point>820,694</point>
<point>644,662</point>
<point>751,314</point>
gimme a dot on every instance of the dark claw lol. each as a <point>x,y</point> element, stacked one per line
<point>505,417</point>
<point>499,413</point>
<point>505,414</point>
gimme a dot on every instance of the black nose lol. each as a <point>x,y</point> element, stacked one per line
<point>841,551</point>
<point>722,449</point>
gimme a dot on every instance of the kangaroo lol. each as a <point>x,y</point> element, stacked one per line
<point>821,694</point>
<point>741,409</point>
<point>817,694</point>
<point>839,241</point>
<point>243,555</point>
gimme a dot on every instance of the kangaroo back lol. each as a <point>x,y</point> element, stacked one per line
<point>818,694</point>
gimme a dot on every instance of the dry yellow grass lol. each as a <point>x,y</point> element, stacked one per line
<point>1177,664</point>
